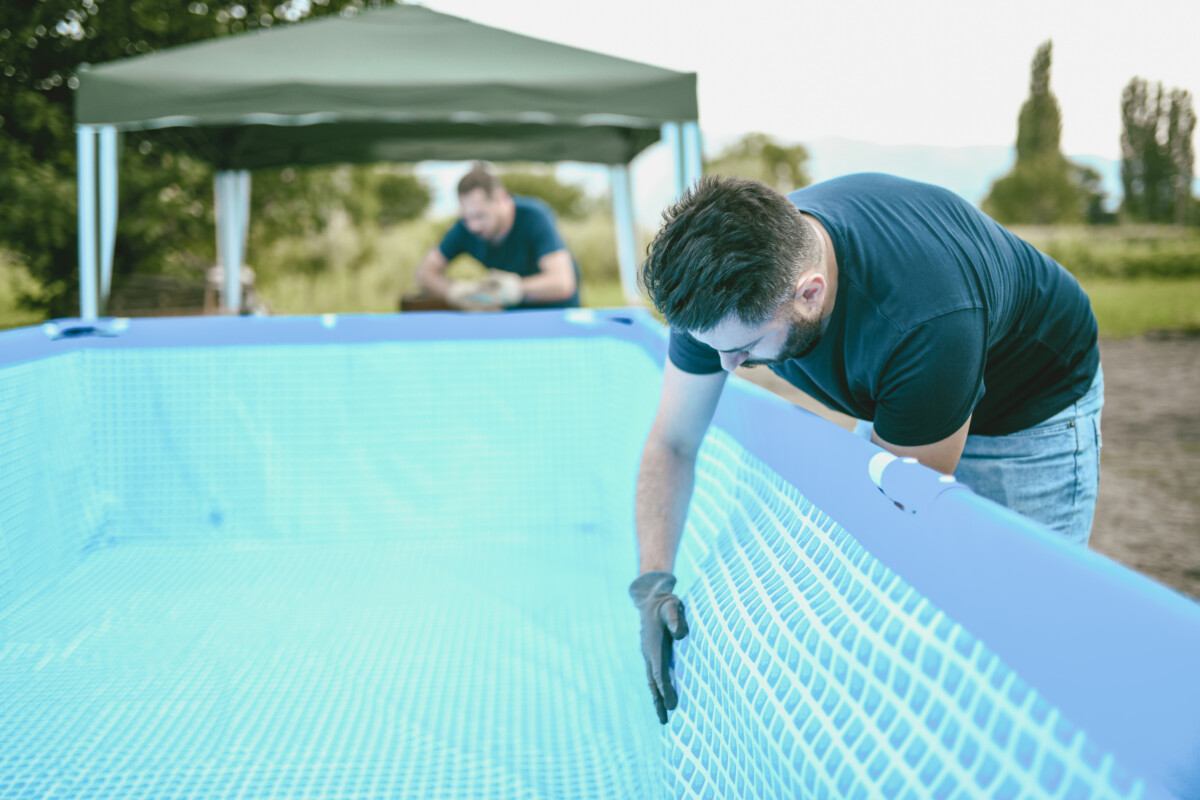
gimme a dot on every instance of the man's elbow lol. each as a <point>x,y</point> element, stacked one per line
<point>568,287</point>
<point>424,273</point>
<point>673,447</point>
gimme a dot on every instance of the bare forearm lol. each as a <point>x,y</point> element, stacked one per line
<point>430,275</point>
<point>548,287</point>
<point>664,489</point>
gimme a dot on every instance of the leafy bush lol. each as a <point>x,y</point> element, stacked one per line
<point>760,157</point>
<point>402,196</point>
<point>592,241</point>
<point>568,200</point>
<point>1144,251</point>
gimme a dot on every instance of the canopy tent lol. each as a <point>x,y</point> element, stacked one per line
<point>402,83</point>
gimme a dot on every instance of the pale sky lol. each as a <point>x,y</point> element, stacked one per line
<point>931,72</point>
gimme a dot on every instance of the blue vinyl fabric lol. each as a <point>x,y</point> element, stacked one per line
<point>387,557</point>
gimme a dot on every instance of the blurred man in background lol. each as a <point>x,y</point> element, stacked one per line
<point>515,238</point>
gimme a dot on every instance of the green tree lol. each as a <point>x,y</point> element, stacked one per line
<point>758,156</point>
<point>1044,187</point>
<point>165,224</point>
<point>298,202</point>
<point>402,196</point>
<point>1157,154</point>
<point>1145,163</point>
<point>568,200</point>
<point>1181,126</point>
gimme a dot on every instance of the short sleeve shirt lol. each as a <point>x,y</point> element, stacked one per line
<point>941,315</point>
<point>534,234</point>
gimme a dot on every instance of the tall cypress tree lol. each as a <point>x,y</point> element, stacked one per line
<point>1157,155</point>
<point>1039,126</point>
<point>1181,126</point>
<point>1138,123</point>
<point>1043,186</point>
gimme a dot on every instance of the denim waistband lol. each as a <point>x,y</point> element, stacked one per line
<point>1090,403</point>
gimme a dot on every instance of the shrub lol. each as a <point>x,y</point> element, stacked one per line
<point>1145,251</point>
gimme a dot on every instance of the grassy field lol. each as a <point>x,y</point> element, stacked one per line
<point>368,270</point>
<point>347,269</point>
<point>1133,307</point>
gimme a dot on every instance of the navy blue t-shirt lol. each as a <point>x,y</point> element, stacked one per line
<point>533,235</point>
<point>940,315</point>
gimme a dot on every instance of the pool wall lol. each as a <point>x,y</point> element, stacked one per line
<point>840,646</point>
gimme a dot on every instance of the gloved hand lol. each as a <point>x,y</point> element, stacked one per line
<point>497,291</point>
<point>663,623</point>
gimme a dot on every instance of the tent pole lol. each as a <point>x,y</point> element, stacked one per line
<point>693,154</point>
<point>85,150</point>
<point>225,192</point>
<point>673,140</point>
<point>622,198</point>
<point>108,208</point>
<point>244,210</point>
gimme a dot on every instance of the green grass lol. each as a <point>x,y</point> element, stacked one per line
<point>602,295</point>
<point>1132,307</point>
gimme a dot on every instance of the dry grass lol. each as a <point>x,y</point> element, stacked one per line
<point>347,269</point>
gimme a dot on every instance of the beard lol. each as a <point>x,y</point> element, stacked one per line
<point>803,336</point>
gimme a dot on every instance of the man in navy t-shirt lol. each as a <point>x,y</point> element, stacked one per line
<point>515,238</point>
<point>895,302</point>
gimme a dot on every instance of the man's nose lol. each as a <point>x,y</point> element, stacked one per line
<point>731,361</point>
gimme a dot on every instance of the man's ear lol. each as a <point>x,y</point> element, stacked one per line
<point>810,292</point>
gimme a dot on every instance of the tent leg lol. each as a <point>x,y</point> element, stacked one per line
<point>229,239</point>
<point>622,198</point>
<point>673,139</point>
<point>244,209</point>
<point>108,208</point>
<point>693,154</point>
<point>85,144</point>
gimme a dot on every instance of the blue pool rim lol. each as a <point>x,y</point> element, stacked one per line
<point>1116,652</point>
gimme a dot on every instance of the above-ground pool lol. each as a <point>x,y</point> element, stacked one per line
<point>388,557</point>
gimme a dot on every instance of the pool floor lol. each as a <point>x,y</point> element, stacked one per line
<point>429,665</point>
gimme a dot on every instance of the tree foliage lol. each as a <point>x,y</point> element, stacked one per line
<point>1044,187</point>
<point>758,156</point>
<point>567,200</point>
<point>302,202</point>
<point>1157,154</point>
<point>166,221</point>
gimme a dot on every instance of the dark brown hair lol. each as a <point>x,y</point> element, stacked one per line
<point>480,177</point>
<point>730,245</point>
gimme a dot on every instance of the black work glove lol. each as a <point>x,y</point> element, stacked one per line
<point>662,623</point>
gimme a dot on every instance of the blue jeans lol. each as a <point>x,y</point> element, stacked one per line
<point>1049,472</point>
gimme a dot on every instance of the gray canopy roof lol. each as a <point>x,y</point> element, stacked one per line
<point>402,83</point>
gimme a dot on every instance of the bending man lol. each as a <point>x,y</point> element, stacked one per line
<point>895,302</point>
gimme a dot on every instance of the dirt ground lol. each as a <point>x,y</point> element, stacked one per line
<point>1148,514</point>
